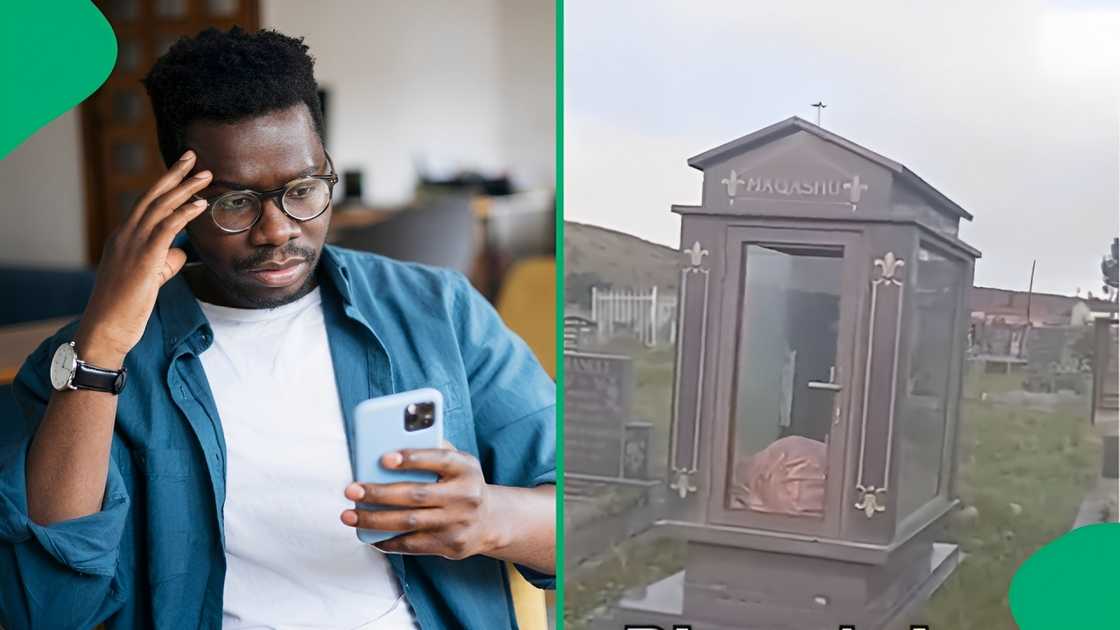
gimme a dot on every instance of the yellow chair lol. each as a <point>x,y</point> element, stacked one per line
<point>527,304</point>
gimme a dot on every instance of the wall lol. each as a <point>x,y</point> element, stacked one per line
<point>42,221</point>
<point>528,84</point>
<point>445,84</point>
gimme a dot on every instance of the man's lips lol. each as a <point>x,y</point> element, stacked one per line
<point>279,274</point>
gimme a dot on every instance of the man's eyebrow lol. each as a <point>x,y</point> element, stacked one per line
<point>225,183</point>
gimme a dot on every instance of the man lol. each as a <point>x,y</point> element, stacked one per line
<point>214,488</point>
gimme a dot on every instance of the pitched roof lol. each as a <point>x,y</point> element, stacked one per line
<point>794,124</point>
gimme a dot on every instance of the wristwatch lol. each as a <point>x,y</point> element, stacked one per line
<point>70,372</point>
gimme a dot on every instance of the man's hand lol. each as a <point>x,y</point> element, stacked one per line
<point>138,259</point>
<point>460,515</point>
<point>450,518</point>
<point>68,462</point>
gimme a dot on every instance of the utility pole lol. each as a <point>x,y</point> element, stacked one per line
<point>1030,292</point>
<point>819,105</point>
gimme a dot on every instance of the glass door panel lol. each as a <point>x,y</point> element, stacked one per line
<point>785,386</point>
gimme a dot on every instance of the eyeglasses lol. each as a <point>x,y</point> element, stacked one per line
<point>302,199</point>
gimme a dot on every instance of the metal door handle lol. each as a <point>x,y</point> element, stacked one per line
<point>830,385</point>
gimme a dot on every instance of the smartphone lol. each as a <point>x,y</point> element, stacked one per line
<point>412,419</point>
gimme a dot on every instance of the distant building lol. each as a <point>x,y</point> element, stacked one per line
<point>1046,309</point>
<point>1000,330</point>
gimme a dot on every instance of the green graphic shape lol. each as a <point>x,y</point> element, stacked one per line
<point>53,54</point>
<point>1070,583</point>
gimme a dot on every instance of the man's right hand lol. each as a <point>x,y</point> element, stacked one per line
<point>137,260</point>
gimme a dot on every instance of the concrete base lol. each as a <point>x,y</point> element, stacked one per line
<point>786,592</point>
<point>589,533</point>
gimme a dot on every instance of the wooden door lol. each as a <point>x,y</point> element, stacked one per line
<point>121,154</point>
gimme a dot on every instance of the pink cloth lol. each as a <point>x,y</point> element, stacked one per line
<point>787,477</point>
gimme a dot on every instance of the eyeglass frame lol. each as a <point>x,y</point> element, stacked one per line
<point>263,196</point>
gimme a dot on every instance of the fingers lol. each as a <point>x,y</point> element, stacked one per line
<point>442,461</point>
<point>393,520</point>
<point>401,494</point>
<point>415,543</point>
<point>164,205</point>
<point>175,260</point>
<point>450,546</point>
<point>165,232</point>
<point>169,180</point>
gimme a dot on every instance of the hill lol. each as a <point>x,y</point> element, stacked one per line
<point>596,256</point>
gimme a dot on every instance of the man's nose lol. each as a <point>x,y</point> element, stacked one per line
<point>274,228</point>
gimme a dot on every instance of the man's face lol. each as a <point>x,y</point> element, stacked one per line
<point>273,262</point>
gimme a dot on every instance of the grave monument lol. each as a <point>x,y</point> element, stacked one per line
<point>823,325</point>
<point>609,490</point>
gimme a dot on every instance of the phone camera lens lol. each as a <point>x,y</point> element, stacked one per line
<point>419,416</point>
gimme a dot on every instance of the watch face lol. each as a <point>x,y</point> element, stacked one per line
<point>62,366</point>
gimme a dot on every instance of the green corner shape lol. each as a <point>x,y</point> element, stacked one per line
<point>53,55</point>
<point>1070,583</point>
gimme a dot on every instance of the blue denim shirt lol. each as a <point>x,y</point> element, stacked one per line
<point>154,555</point>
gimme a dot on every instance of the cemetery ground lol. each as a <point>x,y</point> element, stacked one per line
<point>1024,469</point>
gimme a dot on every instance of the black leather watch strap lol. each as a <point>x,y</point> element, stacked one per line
<point>87,376</point>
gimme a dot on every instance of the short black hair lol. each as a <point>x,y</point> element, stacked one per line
<point>228,77</point>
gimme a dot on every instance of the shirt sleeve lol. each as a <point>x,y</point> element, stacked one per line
<point>63,574</point>
<point>513,399</point>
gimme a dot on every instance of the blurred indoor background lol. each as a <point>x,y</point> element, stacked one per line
<point>440,117</point>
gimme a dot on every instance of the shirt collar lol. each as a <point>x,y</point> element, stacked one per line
<point>335,271</point>
<point>182,317</point>
<point>179,312</point>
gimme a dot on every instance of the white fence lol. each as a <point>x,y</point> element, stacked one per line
<point>644,315</point>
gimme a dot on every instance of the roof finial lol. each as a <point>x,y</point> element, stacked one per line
<point>819,105</point>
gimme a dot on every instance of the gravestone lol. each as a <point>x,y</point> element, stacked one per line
<point>598,393</point>
<point>609,495</point>
<point>1051,365</point>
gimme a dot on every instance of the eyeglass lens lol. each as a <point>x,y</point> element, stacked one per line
<point>302,200</point>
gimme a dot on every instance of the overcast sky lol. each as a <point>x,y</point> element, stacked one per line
<point>1009,107</point>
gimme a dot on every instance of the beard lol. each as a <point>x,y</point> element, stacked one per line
<point>245,293</point>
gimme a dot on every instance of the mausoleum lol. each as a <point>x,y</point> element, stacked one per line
<point>823,323</point>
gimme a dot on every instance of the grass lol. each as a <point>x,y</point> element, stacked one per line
<point>1044,462</point>
<point>1041,460</point>
<point>637,561</point>
<point>633,563</point>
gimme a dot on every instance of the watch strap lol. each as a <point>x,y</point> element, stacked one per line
<point>87,376</point>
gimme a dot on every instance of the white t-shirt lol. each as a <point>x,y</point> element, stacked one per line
<point>291,562</point>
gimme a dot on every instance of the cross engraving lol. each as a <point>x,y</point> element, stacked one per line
<point>855,191</point>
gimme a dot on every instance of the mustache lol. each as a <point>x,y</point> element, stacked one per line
<point>262,256</point>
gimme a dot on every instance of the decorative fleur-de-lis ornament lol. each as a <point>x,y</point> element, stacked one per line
<point>888,266</point>
<point>683,484</point>
<point>855,191</point>
<point>696,254</point>
<point>869,503</point>
<point>733,183</point>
